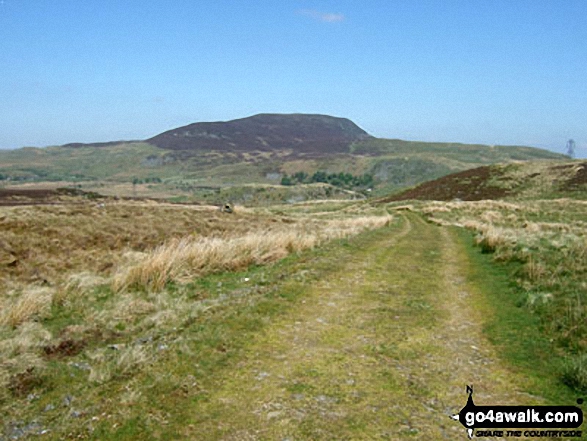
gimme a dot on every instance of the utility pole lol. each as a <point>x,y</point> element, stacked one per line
<point>571,148</point>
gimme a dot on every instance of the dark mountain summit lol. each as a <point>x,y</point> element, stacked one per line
<point>264,132</point>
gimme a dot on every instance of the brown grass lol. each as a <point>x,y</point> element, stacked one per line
<point>55,257</point>
<point>47,244</point>
<point>186,258</point>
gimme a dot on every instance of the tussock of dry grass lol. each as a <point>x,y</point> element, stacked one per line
<point>117,363</point>
<point>21,349</point>
<point>76,287</point>
<point>33,302</point>
<point>129,306</point>
<point>4,383</point>
<point>491,238</point>
<point>182,259</point>
<point>83,282</point>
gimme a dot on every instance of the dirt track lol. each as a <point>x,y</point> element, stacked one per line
<point>382,350</point>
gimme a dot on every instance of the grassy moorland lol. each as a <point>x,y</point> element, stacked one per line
<point>96,292</point>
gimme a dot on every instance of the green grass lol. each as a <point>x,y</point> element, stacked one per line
<point>516,332</point>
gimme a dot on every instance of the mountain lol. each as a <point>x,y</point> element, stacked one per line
<point>529,180</point>
<point>319,134</point>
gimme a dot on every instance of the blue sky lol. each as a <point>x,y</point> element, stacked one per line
<point>493,72</point>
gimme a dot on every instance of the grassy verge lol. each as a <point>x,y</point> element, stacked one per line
<point>516,332</point>
<point>543,243</point>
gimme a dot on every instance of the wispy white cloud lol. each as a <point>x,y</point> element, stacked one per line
<point>327,17</point>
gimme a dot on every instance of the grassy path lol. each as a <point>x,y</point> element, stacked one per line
<point>381,350</point>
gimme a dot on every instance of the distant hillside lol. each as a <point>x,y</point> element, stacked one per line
<point>320,134</point>
<point>261,149</point>
<point>531,180</point>
<point>97,144</point>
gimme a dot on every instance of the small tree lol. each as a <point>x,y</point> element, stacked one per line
<point>300,177</point>
<point>319,176</point>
